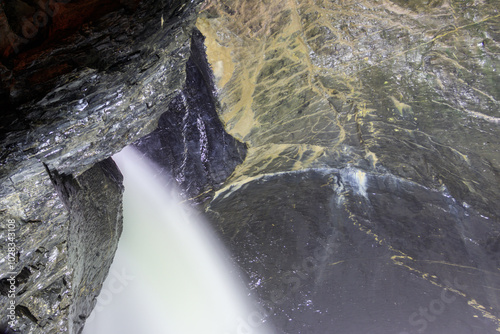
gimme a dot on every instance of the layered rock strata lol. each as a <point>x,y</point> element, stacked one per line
<point>68,104</point>
<point>190,142</point>
<point>367,201</point>
<point>365,137</point>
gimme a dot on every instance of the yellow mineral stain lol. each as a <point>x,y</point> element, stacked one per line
<point>403,108</point>
<point>458,266</point>
<point>364,110</point>
<point>335,263</point>
<point>331,180</point>
<point>440,83</point>
<point>371,156</point>
<point>225,48</point>
<point>473,303</point>
<point>313,151</point>
<point>198,196</point>
<point>244,124</point>
<point>432,40</point>
<point>397,259</point>
<point>218,55</point>
<point>238,116</point>
<point>246,45</point>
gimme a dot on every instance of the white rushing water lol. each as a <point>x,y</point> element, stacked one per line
<point>169,274</point>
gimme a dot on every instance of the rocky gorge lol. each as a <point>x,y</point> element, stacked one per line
<point>346,153</point>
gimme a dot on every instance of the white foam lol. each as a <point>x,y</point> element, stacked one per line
<point>181,284</point>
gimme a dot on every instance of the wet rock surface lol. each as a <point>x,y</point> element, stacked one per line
<point>325,253</point>
<point>63,256</point>
<point>94,203</point>
<point>190,142</point>
<point>68,103</point>
<point>346,152</point>
<point>367,201</point>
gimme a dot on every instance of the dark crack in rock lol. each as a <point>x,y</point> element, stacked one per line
<point>190,143</point>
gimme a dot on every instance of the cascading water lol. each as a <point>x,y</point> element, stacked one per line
<point>169,274</point>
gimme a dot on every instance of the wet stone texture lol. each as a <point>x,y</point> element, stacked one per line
<point>368,198</point>
<point>94,202</point>
<point>324,256</point>
<point>91,81</point>
<point>190,142</point>
<point>347,153</point>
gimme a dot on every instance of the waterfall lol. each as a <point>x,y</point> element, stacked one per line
<point>170,274</point>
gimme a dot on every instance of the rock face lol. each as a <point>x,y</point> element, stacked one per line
<point>190,142</point>
<point>346,152</point>
<point>94,203</point>
<point>64,250</point>
<point>69,101</point>
<point>367,201</point>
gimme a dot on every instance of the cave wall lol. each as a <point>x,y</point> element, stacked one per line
<point>190,143</point>
<point>370,187</point>
<point>94,203</point>
<point>345,151</point>
<point>91,81</point>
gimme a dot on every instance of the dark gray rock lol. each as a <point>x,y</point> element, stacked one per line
<point>63,259</point>
<point>324,252</point>
<point>94,203</point>
<point>364,136</point>
<point>68,103</point>
<point>190,142</point>
<point>372,133</point>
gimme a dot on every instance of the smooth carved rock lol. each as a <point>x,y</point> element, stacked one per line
<point>372,129</point>
<point>371,81</point>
